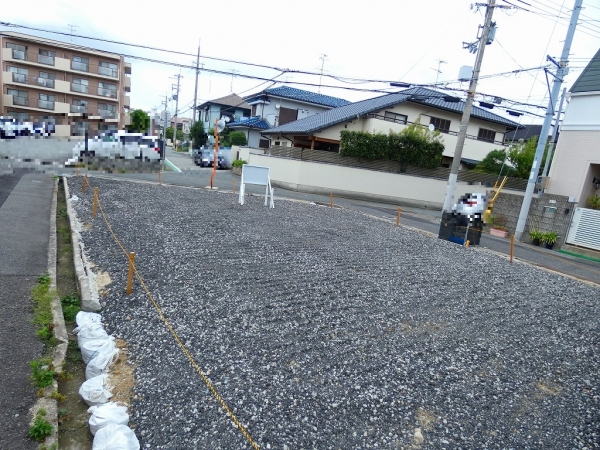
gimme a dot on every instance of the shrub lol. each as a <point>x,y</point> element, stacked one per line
<point>238,163</point>
<point>549,238</point>
<point>594,201</point>
<point>43,373</point>
<point>41,428</point>
<point>70,306</point>
<point>237,138</point>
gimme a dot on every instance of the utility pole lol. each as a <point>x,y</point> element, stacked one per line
<point>462,133</point>
<point>322,58</point>
<point>164,132</point>
<point>196,86</point>
<point>561,71</point>
<point>554,135</point>
<point>233,72</point>
<point>176,98</point>
<point>71,28</point>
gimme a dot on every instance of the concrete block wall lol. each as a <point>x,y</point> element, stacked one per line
<point>540,218</point>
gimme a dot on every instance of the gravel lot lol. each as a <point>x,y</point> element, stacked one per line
<point>323,328</point>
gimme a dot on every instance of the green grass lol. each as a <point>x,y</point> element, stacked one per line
<point>42,310</point>
<point>70,306</point>
<point>41,428</point>
<point>42,372</point>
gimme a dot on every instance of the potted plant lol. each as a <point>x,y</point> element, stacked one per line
<point>594,201</point>
<point>499,227</point>
<point>536,237</point>
<point>549,239</point>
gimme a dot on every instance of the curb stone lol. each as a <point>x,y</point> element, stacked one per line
<point>60,334</point>
<point>89,296</point>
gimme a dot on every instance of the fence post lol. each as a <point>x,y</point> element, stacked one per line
<point>130,275</point>
<point>159,179</point>
<point>331,200</point>
<point>233,185</point>
<point>398,217</point>
<point>467,243</point>
<point>95,202</point>
<point>84,183</point>
<point>512,247</point>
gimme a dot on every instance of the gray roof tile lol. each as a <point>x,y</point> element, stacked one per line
<point>589,80</point>
<point>342,114</point>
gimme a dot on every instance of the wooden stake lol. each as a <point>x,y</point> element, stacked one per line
<point>512,247</point>
<point>467,243</point>
<point>159,179</point>
<point>398,217</point>
<point>233,185</point>
<point>78,172</point>
<point>331,200</point>
<point>85,182</point>
<point>95,202</point>
<point>130,275</point>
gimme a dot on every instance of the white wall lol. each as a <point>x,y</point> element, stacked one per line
<point>324,179</point>
<point>583,113</point>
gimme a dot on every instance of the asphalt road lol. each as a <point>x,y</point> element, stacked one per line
<point>25,201</point>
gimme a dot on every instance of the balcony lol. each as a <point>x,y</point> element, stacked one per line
<point>79,109</point>
<point>47,60</point>
<point>108,72</point>
<point>126,101</point>
<point>20,55</point>
<point>127,84</point>
<point>106,114</point>
<point>79,66</point>
<point>20,101</point>
<point>19,78</point>
<point>43,82</point>
<point>32,81</point>
<point>46,104</point>
<point>82,88</point>
<point>107,93</point>
<point>127,68</point>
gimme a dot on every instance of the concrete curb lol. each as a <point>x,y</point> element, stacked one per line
<point>60,334</point>
<point>87,293</point>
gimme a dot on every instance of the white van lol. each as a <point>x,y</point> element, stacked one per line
<point>120,145</point>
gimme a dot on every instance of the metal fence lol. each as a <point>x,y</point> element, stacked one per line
<point>441,173</point>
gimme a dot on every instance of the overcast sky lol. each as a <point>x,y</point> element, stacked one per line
<point>378,39</point>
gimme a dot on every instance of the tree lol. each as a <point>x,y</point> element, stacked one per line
<point>493,163</point>
<point>140,122</point>
<point>521,157</point>
<point>237,138</point>
<point>170,134</point>
<point>197,134</point>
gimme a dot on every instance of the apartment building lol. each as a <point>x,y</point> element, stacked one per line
<point>76,88</point>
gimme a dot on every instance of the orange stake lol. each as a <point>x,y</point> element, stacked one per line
<point>159,179</point>
<point>95,202</point>
<point>233,184</point>
<point>130,275</point>
<point>512,247</point>
<point>85,182</point>
<point>398,217</point>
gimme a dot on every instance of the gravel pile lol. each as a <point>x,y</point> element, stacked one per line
<point>323,328</point>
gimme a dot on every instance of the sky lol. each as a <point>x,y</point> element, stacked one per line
<point>387,40</point>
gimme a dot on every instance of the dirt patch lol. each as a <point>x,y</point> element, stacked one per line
<point>426,418</point>
<point>547,388</point>
<point>120,377</point>
<point>102,279</point>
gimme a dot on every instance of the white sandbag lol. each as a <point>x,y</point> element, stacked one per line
<point>102,362</point>
<point>90,349</point>
<point>90,331</point>
<point>95,390</point>
<point>115,437</point>
<point>102,415</point>
<point>84,317</point>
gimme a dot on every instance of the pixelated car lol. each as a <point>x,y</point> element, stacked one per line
<point>471,205</point>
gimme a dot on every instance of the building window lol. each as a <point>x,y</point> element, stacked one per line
<point>442,125</point>
<point>46,79</point>
<point>80,85</point>
<point>46,57</point>
<point>18,116</point>
<point>20,98</point>
<point>46,101</point>
<point>486,135</point>
<point>108,69</point>
<point>287,115</point>
<point>253,113</point>
<point>106,110</point>
<point>393,117</point>
<point>80,63</point>
<point>18,51</point>
<point>79,106</point>
<point>19,75</point>
<point>107,90</point>
<point>263,143</point>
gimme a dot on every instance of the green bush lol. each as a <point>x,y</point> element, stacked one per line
<point>70,306</point>
<point>43,373</point>
<point>594,201</point>
<point>238,163</point>
<point>237,138</point>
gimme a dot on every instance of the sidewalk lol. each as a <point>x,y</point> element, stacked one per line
<point>25,203</point>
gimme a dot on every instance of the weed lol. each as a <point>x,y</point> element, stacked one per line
<point>43,372</point>
<point>58,396</point>
<point>70,306</point>
<point>42,297</point>
<point>52,447</point>
<point>45,279</point>
<point>40,393</point>
<point>65,233</point>
<point>41,427</point>
<point>65,376</point>
<point>62,212</point>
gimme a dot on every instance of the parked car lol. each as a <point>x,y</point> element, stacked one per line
<point>120,145</point>
<point>471,205</point>
<point>204,158</point>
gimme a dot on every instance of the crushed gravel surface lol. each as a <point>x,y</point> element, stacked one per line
<point>323,328</point>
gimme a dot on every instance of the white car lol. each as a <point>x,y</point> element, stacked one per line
<point>120,145</point>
